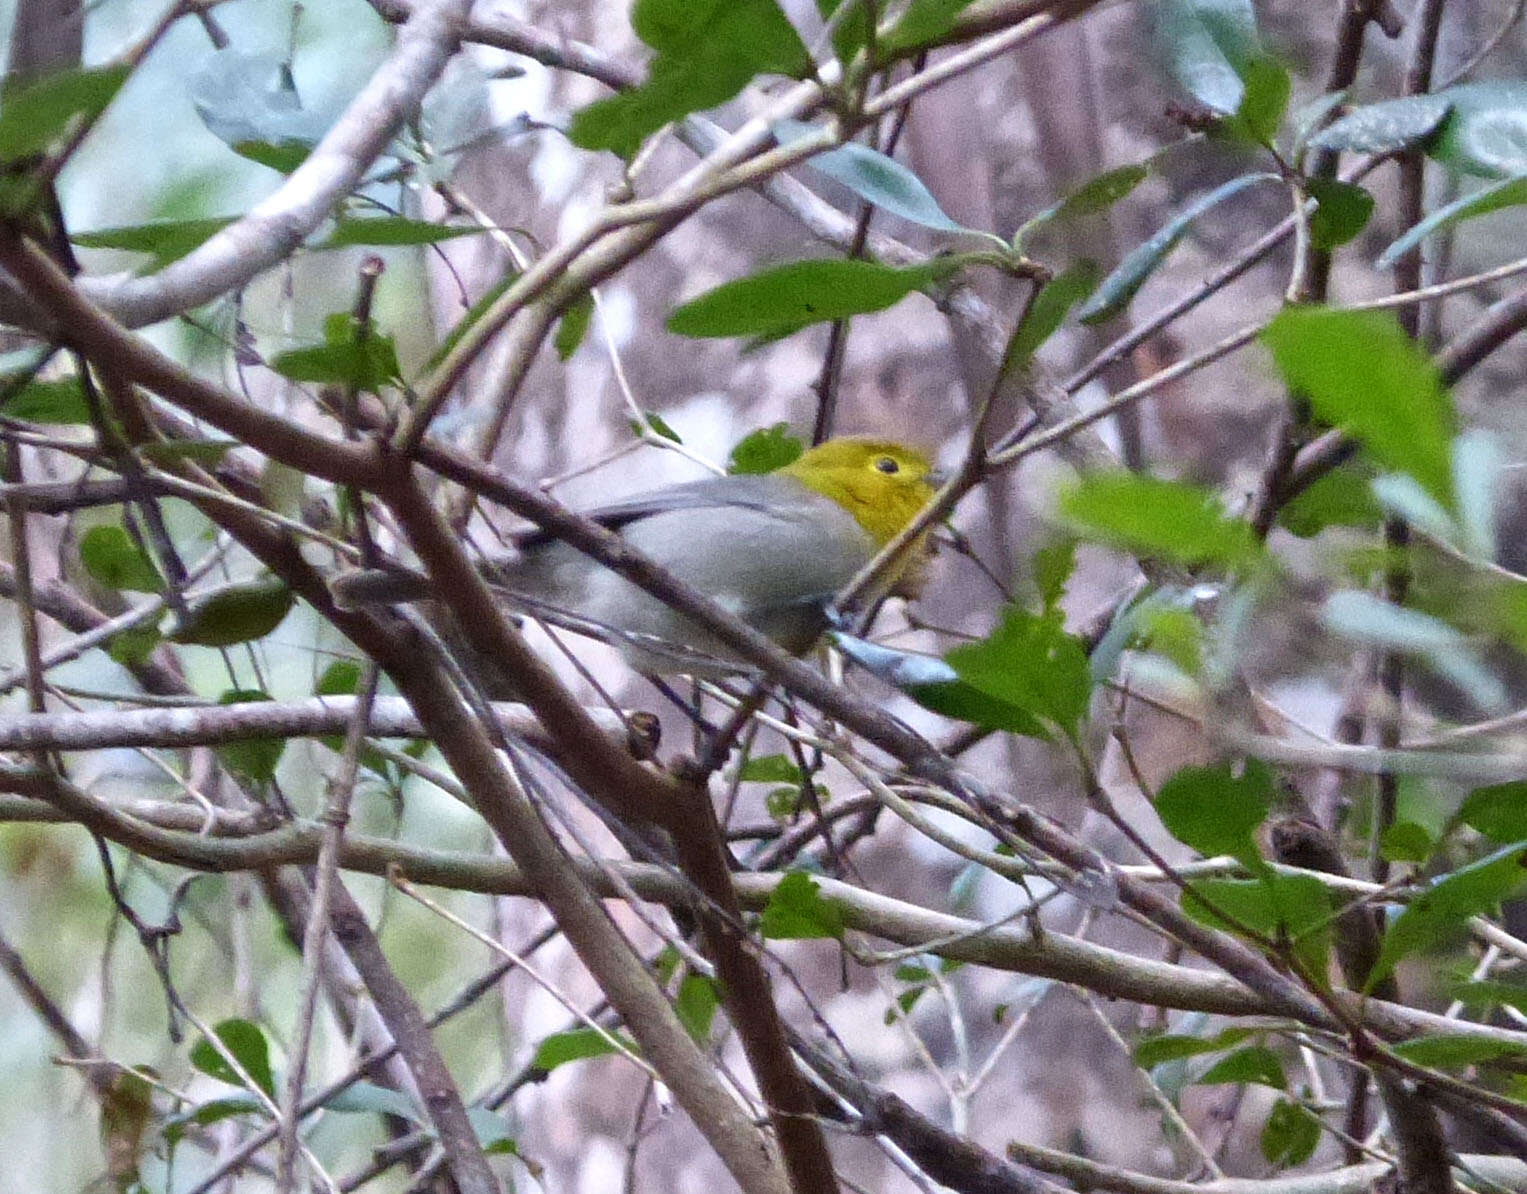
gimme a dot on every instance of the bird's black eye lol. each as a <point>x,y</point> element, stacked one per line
<point>887,464</point>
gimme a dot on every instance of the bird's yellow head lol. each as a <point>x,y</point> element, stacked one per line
<point>883,484</point>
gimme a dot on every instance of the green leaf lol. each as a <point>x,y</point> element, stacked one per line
<point>340,678</point>
<point>1296,908</point>
<point>1047,312</point>
<point>769,769</point>
<point>1309,117</point>
<point>851,31</point>
<point>577,1044</point>
<point>797,910</point>
<point>1290,1135</point>
<point>1445,907</point>
<point>494,1135</point>
<point>1053,567</point>
<point>1264,100</point>
<point>875,177</point>
<point>391,230</point>
<point>1095,195</point>
<point>707,51</point>
<point>1486,131</point>
<point>922,24</point>
<point>1405,841</point>
<point>1206,43</point>
<point>654,424</point>
<point>198,451</point>
<point>117,561</point>
<point>1386,126</point>
<point>765,450</point>
<point>1216,811</point>
<point>471,317</point>
<point>234,613</point>
<point>1121,285</point>
<point>782,300</point>
<point>34,116</point>
<point>696,1005</point>
<point>1479,461</point>
<point>1342,210</point>
<point>164,240</point>
<point>1498,811</point>
<point>346,357</point>
<point>1367,618</point>
<point>1029,662</point>
<point>1362,373</point>
<point>246,1042</point>
<point>249,101</point>
<point>254,759</point>
<point>1489,993</point>
<point>1254,1063</point>
<point>134,645</point>
<point>965,702</point>
<point>1170,520</point>
<point>58,401</point>
<point>369,1098</point>
<point>280,156</point>
<point>1157,1050</point>
<point>573,326</point>
<point>1451,1051</point>
<point>1341,498</point>
<point>783,804</point>
<point>1508,192</point>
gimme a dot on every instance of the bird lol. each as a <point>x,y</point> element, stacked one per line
<point>772,548</point>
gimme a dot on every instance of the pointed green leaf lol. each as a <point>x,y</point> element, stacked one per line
<point>1386,126</point>
<point>1486,131</point>
<point>1254,1063</point>
<point>1120,286</point>
<point>797,295</point>
<point>578,1044</point>
<point>707,51</point>
<point>1216,811</point>
<point>246,1042</point>
<point>115,559</point>
<point>234,613</point>
<point>59,401</point>
<point>37,114</point>
<point>1295,908</point>
<point>1290,1135</point>
<point>765,450</point>
<point>164,240</point>
<point>1206,43</point>
<point>796,910</point>
<point>1030,663</point>
<point>1452,1051</point>
<point>1169,520</point>
<point>1446,906</point>
<point>923,23</point>
<point>1047,312</point>
<point>391,230</point>
<point>874,177</point>
<point>1342,210</point>
<point>254,759</point>
<point>1362,373</point>
<point>1508,192</point>
<point>573,326</point>
<point>1498,811</point>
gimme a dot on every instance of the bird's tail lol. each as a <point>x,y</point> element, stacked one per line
<point>363,587</point>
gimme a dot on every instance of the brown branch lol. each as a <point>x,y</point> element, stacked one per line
<point>278,225</point>
<point>213,725</point>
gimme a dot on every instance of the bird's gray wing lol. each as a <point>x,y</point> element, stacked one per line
<point>751,492</point>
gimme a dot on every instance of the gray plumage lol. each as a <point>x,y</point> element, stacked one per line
<point>761,519</point>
